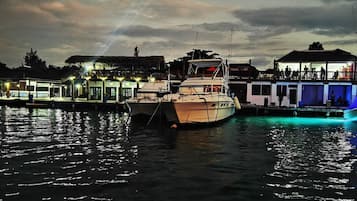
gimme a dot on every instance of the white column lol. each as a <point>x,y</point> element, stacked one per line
<point>117,93</point>
<point>49,90</point>
<point>299,92</point>
<point>354,92</point>
<point>35,90</point>
<point>249,92</point>
<point>273,98</point>
<point>325,93</point>
<point>60,91</point>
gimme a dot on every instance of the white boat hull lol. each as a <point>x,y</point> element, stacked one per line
<point>148,109</point>
<point>142,108</point>
<point>203,112</point>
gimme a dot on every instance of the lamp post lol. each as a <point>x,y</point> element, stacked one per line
<point>137,80</point>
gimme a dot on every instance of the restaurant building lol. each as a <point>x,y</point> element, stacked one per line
<point>304,78</point>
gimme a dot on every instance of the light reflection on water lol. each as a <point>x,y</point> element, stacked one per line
<point>315,158</point>
<point>60,155</point>
<point>53,148</point>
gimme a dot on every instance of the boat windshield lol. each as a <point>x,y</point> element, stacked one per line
<point>205,68</point>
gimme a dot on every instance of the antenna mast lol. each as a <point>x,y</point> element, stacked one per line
<point>231,43</point>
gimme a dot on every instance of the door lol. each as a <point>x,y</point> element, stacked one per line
<point>293,96</point>
<point>240,90</point>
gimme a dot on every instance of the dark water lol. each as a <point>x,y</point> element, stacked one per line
<point>60,155</point>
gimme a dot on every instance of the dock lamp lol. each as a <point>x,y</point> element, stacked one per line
<point>120,79</point>
<point>137,80</point>
<point>7,86</point>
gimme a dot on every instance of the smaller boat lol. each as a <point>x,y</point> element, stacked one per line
<point>148,98</point>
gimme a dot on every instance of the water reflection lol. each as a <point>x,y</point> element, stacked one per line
<point>42,150</point>
<point>64,155</point>
<point>314,159</point>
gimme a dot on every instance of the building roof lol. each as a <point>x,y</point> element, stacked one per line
<point>317,56</point>
<point>243,69</point>
<point>119,60</point>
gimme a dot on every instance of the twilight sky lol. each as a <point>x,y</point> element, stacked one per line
<point>262,29</point>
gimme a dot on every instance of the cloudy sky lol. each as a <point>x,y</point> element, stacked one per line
<point>260,30</point>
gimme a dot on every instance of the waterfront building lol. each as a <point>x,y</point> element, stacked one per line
<point>22,83</point>
<point>113,78</point>
<point>303,78</point>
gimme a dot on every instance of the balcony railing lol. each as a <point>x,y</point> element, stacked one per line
<point>303,76</point>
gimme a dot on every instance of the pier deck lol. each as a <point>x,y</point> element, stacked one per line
<point>247,109</point>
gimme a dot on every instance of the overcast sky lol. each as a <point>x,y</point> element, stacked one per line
<point>260,30</point>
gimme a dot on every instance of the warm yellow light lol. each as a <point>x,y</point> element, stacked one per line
<point>72,78</point>
<point>137,79</point>
<point>78,86</point>
<point>88,78</point>
<point>18,85</point>
<point>151,79</point>
<point>7,85</point>
<point>120,79</point>
<point>103,78</point>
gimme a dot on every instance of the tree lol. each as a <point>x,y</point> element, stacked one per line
<point>179,66</point>
<point>33,60</point>
<point>2,65</point>
<point>316,46</point>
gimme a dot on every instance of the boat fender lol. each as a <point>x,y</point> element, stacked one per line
<point>236,103</point>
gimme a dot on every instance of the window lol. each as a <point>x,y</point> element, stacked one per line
<point>111,93</point>
<point>264,90</point>
<point>95,93</point>
<point>41,88</point>
<point>256,89</point>
<point>281,90</point>
<point>30,88</point>
<point>126,92</point>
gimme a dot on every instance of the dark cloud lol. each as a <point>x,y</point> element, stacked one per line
<point>327,20</point>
